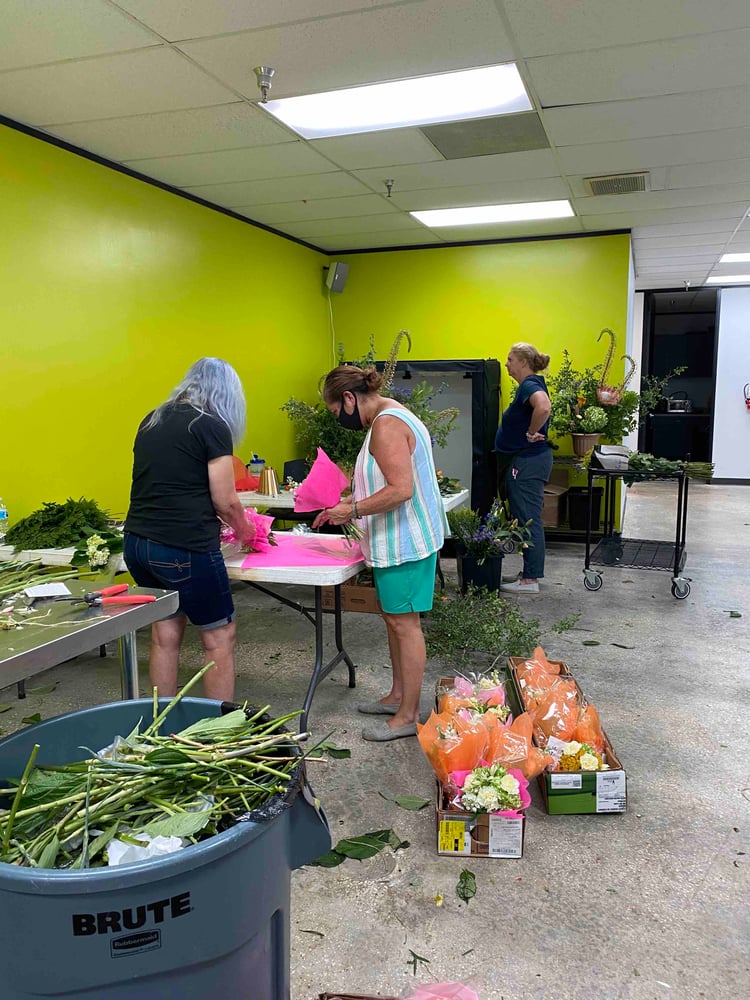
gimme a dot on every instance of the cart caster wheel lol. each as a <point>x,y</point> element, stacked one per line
<point>680,591</point>
<point>593,582</point>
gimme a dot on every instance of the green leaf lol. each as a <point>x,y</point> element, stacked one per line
<point>99,843</point>
<point>217,727</point>
<point>591,642</point>
<point>31,720</point>
<point>5,707</point>
<point>48,786</point>
<point>181,825</point>
<point>412,802</point>
<point>733,614</point>
<point>49,854</point>
<point>466,888</point>
<point>332,859</point>
<point>338,753</point>
<point>316,933</point>
<point>44,689</point>
<point>367,845</point>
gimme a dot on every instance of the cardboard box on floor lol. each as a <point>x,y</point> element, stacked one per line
<point>553,505</point>
<point>354,597</point>
<point>579,792</point>
<point>470,835</point>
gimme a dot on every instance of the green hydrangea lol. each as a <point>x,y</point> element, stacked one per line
<point>593,420</point>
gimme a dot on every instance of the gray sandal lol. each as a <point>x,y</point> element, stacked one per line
<point>376,708</point>
<point>381,732</point>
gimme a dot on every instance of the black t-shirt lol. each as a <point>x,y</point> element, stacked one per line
<point>170,499</point>
<point>511,434</point>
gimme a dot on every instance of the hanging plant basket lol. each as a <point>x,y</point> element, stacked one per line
<point>583,443</point>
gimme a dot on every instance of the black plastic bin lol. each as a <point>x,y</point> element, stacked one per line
<point>578,505</point>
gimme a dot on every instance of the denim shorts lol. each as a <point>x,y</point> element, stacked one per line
<point>200,578</point>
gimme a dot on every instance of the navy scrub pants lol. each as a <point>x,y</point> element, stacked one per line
<point>524,484</point>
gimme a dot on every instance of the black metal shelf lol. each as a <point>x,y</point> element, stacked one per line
<point>634,553</point>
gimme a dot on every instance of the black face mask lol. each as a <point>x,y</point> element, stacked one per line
<point>350,421</point>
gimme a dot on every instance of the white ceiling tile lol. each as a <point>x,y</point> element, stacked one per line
<point>282,189</point>
<point>507,231</point>
<point>284,160</point>
<point>37,31</point>
<point>680,65</point>
<point>551,26</point>
<point>142,82</point>
<point>677,229</point>
<point>362,224</point>
<point>693,261</point>
<point>501,192</point>
<point>705,174</point>
<point>686,213</point>
<point>671,114</point>
<point>643,201</point>
<point>174,133</point>
<point>378,149</point>
<point>537,163</point>
<point>367,241</point>
<point>661,151</point>
<point>323,208</point>
<point>705,249</point>
<point>385,43</point>
<point>688,239</point>
<point>176,19</point>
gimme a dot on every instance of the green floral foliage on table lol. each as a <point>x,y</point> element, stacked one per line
<point>58,525</point>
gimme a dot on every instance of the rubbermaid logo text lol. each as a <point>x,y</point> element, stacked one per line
<point>132,918</point>
<point>135,944</point>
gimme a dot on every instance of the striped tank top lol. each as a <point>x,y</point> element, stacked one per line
<point>416,528</point>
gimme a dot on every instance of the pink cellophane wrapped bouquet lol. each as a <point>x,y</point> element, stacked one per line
<point>483,693</point>
<point>263,535</point>
<point>443,991</point>
<point>322,487</point>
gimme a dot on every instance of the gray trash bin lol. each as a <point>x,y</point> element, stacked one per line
<point>209,920</point>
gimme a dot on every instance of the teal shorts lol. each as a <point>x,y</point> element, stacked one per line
<point>408,587</point>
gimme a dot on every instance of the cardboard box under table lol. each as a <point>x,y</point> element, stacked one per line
<point>480,835</point>
<point>354,597</point>
<point>553,506</point>
<point>577,792</point>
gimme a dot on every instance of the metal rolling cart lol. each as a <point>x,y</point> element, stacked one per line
<point>632,553</point>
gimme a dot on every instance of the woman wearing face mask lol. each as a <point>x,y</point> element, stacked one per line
<point>397,503</point>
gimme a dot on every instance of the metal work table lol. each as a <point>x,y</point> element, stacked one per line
<point>317,577</point>
<point>77,628</point>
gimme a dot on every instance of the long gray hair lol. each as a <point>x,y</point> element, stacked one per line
<point>210,386</point>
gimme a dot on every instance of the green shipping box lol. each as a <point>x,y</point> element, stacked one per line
<point>575,792</point>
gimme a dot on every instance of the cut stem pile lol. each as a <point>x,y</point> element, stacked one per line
<point>17,575</point>
<point>191,784</point>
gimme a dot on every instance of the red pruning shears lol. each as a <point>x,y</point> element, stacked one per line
<point>116,594</point>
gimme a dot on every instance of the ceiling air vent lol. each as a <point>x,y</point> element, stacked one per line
<point>617,183</point>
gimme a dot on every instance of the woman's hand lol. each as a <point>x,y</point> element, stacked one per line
<point>340,514</point>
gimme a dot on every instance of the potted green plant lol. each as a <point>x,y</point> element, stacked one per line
<point>315,427</point>
<point>482,542</point>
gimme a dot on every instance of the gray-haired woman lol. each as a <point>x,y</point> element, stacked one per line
<point>183,482</point>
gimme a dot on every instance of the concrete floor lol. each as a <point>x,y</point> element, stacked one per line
<point>650,904</point>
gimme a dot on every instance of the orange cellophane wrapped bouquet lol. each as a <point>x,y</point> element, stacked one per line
<point>513,747</point>
<point>453,742</point>
<point>483,693</point>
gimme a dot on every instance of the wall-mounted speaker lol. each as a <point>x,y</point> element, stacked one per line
<point>337,274</point>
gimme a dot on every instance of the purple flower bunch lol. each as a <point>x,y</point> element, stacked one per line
<point>494,534</point>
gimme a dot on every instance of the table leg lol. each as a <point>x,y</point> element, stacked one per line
<point>321,671</point>
<point>338,634</point>
<point>128,666</point>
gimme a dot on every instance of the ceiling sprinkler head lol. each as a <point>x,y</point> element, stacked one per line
<point>264,74</point>
<point>388,186</point>
<point>687,286</point>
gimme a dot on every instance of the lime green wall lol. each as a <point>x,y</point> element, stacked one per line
<point>476,301</point>
<point>111,288</point>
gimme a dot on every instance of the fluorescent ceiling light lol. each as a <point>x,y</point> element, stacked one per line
<point>734,258</point>
<point>728,279</point>
<point>483,214</point>
<point>447,97</point>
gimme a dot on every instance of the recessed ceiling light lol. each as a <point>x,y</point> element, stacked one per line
<point>728,279</point>
<point>447,97</point>
<point>483,214</point>
<point>734,258</point>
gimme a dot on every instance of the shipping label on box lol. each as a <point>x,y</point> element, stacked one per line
<point>578,792</point>
<point>462,834</point>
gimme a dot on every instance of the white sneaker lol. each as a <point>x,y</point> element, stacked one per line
<point>520,588</point>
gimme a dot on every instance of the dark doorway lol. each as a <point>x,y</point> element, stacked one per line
<point>680,331</point>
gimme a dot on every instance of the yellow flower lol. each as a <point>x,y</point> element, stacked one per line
<point>439,899</point>
<point>589,762</point>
